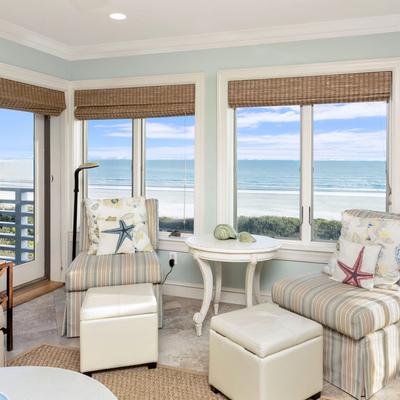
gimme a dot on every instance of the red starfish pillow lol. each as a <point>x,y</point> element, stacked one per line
<point>356,264</point>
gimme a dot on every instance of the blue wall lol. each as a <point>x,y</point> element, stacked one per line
<point>209,62</point>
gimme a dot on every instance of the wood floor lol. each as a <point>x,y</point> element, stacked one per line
<point>37,289</point>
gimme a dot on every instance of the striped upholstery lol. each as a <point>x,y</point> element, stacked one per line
<point>361,329</point>
<point>88,271</point>
<point>362,367</point>
<point>354,312</point>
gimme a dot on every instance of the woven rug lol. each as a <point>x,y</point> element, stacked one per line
<point>135,383</point>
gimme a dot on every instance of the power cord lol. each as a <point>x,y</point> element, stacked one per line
<point>171,266</point>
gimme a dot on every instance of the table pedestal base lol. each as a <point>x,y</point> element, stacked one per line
<point>206,272</point>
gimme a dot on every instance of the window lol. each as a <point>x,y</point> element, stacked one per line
<point>109,142</point>
<point>17,186</point>
<point>305,148</point>
<point>268,171</point>
<point>349,146</point>
<point>161,167</point>
<point>169,173</point>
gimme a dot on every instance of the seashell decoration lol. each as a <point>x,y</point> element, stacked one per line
<point>246,237</point>
<point>224,232</point>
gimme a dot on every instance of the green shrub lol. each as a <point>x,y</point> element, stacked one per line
<point>274,226</point>
<point>279,227</point>
<point>172,224</point>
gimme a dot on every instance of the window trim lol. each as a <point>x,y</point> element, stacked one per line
<point>200,187</point>
<point>304,249</point>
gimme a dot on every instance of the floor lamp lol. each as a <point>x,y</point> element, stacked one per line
<point>76,191</point>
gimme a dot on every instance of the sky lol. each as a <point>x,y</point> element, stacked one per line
<point>351,131</point>
<point>16,134</point>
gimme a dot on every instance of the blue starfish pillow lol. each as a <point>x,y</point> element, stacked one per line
<point>356,264</point>
<point>116,235</point>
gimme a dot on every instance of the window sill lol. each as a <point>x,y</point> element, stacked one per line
<point>167,243</point>
<point>314,252</point>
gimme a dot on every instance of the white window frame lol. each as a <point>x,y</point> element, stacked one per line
<point>305,249</point>
<point>166,242</point>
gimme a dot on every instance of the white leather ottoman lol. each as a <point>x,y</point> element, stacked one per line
<point>119,327</point>
<point>265,353</point>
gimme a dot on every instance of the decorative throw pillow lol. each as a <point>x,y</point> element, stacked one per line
<point>356,264</point>
<point>116,235</point>
<point>107,209</point>
<point>379,228</point>
<point>328,268</point>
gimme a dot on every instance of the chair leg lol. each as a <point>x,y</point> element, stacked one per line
<point>316,396</point>
<point>214,389</point>
<point>152,365</point>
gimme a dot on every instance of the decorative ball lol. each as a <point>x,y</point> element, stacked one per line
<point>246,237</point>
<point>224,232</point>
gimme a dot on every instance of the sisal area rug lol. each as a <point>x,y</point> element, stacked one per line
<point>135,383</point>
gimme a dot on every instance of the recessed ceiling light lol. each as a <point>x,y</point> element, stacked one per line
<point>117,16</point>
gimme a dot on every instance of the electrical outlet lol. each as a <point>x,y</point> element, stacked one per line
<point>173,256</point>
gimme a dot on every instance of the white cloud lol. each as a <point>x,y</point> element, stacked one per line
<point>110,153</point>
<point>349,111</point>
<point>154,130</point>
<point>170,153</point>
<point>254,117</point>
<point>335,145</point>
<point>350,145</point>
<point>119,126</point>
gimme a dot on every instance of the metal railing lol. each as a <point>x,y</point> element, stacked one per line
<point>17,226</point>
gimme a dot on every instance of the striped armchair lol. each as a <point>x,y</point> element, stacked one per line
<point>361,327</point>
<point>88,271</point>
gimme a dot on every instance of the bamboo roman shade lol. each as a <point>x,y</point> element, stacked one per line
<point>36,99</point>
<point>135,102</point>
<point>306,90</point>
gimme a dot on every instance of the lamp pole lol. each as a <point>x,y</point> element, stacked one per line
<point>76,191</point>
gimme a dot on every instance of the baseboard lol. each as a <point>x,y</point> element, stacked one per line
<point>195,291</point>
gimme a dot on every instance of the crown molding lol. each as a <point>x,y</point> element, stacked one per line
<point>278,34</point>
<point>20,35</point>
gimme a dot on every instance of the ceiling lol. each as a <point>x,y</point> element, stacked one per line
<point>83,25</point>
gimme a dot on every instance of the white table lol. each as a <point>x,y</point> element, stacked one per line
<point>205,248</point>
<point>43,383</point>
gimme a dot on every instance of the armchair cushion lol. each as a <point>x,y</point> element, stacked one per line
<point>88,271</point>
<point>352,311</point>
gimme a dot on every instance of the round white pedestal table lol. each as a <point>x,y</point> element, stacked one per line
<point>206,249</point>
<point>43,383</point>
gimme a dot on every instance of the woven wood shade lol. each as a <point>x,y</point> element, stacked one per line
<point>306,90</point>
<point>135,102</point>
<point>36,99</point>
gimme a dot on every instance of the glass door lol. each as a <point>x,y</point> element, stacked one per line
<point>22,194</point>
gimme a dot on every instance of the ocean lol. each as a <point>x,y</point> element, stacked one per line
<point>265,187</point>
<point>252,174</point>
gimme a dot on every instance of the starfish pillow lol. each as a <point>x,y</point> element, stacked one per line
<point>116,236</point>
<point>108,213</point>
<point>126,234</point>
<point>356,264</point>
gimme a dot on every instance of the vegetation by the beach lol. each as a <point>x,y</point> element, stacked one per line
<point>279,227</point>
<point>176,224</point>
<point>10,241</point>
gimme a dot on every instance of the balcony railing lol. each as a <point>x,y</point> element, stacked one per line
<point>17,226</point>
